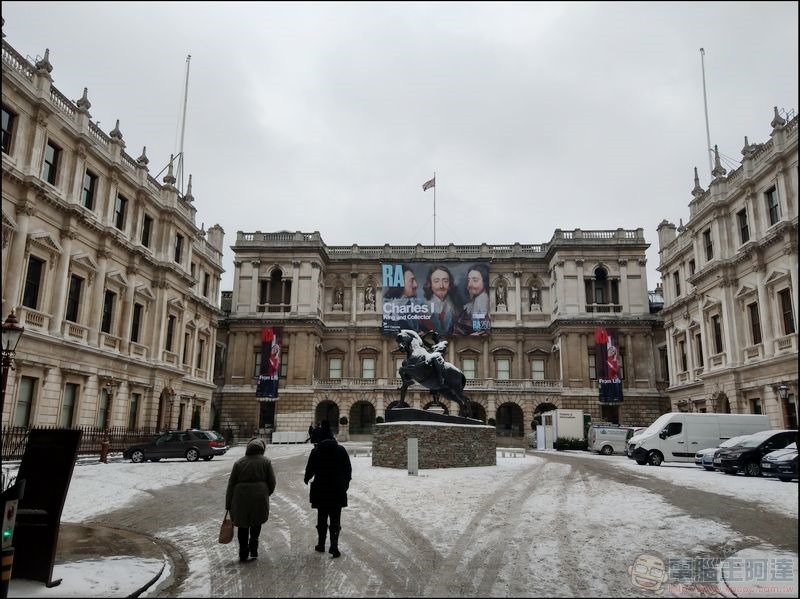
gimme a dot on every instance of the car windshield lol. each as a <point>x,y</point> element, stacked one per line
<point>657,425</point>
<point>792,446</point>
<point>733,441</point>
<point>754,440</point>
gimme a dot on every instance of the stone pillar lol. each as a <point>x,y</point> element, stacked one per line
<point>96,312</point>
<point>765,312</point>
<point>61,283</point>
<point>518,290</point>
<point>16,266</point>
<point>254,265</point>
<point>295,295</point>
<point>127,309</point>
<point>624,291</point>
<point>237,271</point>
<point>630,363</point>
<point>581,286</point>
<point>353,296</point>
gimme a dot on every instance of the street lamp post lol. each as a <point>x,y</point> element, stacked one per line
<point>12,332</point>
<point>106,442</point>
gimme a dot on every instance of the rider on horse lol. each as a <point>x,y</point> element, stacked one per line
<point>436,349</point>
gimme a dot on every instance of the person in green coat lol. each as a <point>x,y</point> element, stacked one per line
<point>251,482</point>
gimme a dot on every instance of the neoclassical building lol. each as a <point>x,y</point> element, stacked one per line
<point>545,303</point>
<point>104,266</point>
<point>730,286</point>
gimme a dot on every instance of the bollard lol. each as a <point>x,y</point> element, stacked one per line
<point>413,456</point>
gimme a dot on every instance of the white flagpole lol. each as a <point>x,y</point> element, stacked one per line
<point>705,106</point>
<point>434,208</point>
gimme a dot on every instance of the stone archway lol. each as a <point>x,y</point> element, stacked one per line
<point>478,411</point>
<point>510,420</point>
<point>328,410</point>
<point>362,418</point>
<point>541,408</point>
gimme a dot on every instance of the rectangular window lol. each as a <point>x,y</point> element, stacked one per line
<point>698,344</point>
<point>136,322</point>
<point>676,281</point>
<point>592,367</point>
<point>186,341</point>
<point>201,350</point>
<point>22,413</point>
<point>503,369</point>
<point>368,368</point>
<point>120,208</point>
<point>755,323</point>
<point>692,267</point>
<point>773,209</point>
<point>133,410</point>
<point>206,280</point>
<point>716,326</point>
<point>33,282</point>
<point>88,191</point>
<point>192,267</point>
<point>102,409</point>
<point>147,226</point>
<point>787,313</point>
<point>335,368</point>
<point>399,362</point>
<point>755,406</point>
<point>708,244</point>
<point>9,118</point>
<point>108,311</point>
<point>744,229</point>
<point>68,405</point>
<point>537,369</point>
<point>178,248</point>
<point>790,413</point>
<point>74,298</point>
<point>468,367</point>
<point>663,361</point>
<point>599,295</point>
<point>170,332</point>
<point>52,154</point>
<point>284,365</point>
<point>682,355</point>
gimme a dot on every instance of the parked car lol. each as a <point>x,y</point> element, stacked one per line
<point>608,438</point>
<point>705,457</point>
<point>746,456</point>
<point>191,444</point>
<point>781,463</point>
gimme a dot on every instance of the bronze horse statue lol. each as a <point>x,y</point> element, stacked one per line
<point>420,366</point>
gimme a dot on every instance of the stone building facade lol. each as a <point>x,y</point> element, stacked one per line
<point>104,266</point>
<point>730,286</point>
<point>546,300</point>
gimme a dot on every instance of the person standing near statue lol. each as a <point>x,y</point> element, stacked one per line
<point>330,472</point>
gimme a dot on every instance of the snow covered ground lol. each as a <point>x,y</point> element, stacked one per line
<point>99,488</point>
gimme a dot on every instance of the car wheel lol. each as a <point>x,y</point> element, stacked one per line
<point>607,450</point>
<point>137,456</point>
<point>655,458</point>
<point>785,479</point>
<point>641,462</point>
<point>729,471</point>
<point>207,457</point>
<point>752,469</point>
<point>192,454</point>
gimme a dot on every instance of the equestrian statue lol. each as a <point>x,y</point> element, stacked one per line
<point>425,365</point>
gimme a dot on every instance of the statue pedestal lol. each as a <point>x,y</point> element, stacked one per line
<point>441,444</point>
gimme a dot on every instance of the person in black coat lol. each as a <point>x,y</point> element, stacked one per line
<point>329,467</point>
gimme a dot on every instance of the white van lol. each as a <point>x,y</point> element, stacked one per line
<point>608,439</point>
<point>677,436</point>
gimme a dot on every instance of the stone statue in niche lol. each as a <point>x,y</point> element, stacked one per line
<point>338,297</point>
<point>369,297</point>
<point>500,294</point>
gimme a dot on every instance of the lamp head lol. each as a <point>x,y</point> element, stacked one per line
<point>12,331</point>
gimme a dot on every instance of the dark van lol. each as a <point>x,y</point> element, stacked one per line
<point>746,456</point>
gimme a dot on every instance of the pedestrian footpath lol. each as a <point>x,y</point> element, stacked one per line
<point>97,561</point>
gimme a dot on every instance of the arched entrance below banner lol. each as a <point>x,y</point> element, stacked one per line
<point>362,418</point>
<point>509,420</point>
<point>328,410</point>
<point>478,411</point>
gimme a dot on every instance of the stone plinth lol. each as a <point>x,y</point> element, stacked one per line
<point>441,445</point>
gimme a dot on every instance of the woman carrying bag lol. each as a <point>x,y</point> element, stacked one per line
<point>251,482</point>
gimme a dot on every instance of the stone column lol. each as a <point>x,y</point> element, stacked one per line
<point>237,271</point>
<point>127,310</point>
<point>353,296</point>
<point>624,291</point>
<point>294,299</point>
<point>96,313</point>
<point>16,266</point>
<point>254,266</point>
<point>581,286</point>
<point>765,313</point>
<point>518,303</point>
<point>61,283</point>
<point>630,363</point>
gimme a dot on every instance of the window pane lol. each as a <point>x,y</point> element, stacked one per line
<point>50,166</point>
<point>73,298</point>
<point>22,414</point>
<point>87,195</point>
<point>136,324</point>
<point>468,365</point>
<point>119,212</point>
<point>108,311</point>
<point>503,369</point>
<point>33,280</point>
<point>368,368</point>
<point>786,312</point>
<point>133,411</point>
<point>537,370</point>
<point>68,405</point>
<point>8,128</point>
<point>336,368</point>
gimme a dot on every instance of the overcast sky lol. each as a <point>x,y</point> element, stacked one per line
<point>329,117</point>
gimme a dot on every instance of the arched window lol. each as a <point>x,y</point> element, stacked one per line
<point>274,293</point>
<point>602,293</point>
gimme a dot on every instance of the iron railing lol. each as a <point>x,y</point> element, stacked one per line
<point>15,438</point>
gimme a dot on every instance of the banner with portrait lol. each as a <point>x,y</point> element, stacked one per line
<point>608,365</point>
<point>270,363</point>
<point>451,298</point>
